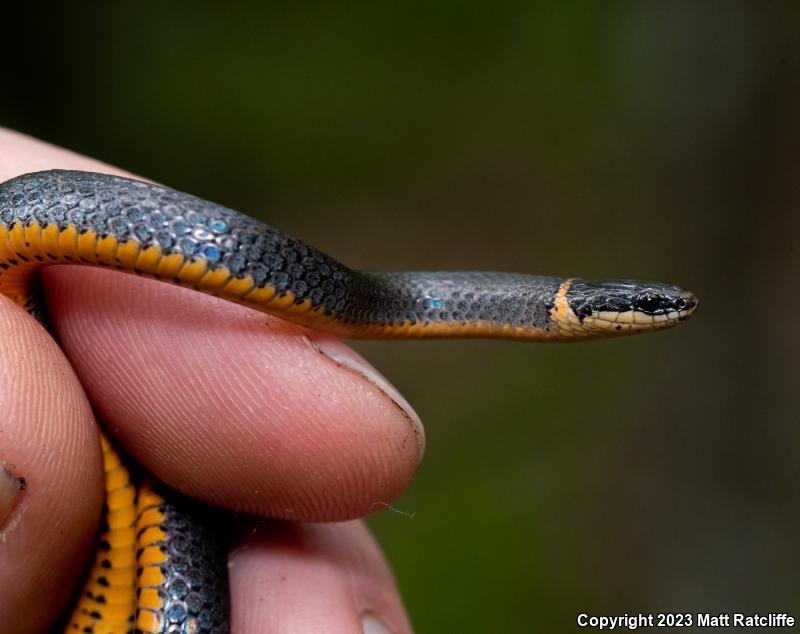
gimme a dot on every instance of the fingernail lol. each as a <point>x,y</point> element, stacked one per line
<point>345,356</point>
<point>373,625</point>
<point>10,487</point>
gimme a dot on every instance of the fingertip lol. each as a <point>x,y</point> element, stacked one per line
<point>345,357</point>
<point>230,405</point>
<point>313,577</point>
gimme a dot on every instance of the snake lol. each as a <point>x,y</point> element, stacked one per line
<point>160,560</point>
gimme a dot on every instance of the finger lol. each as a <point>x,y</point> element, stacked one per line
<point>48,437</point>
<point>313,578</point>
<point>233,406</point>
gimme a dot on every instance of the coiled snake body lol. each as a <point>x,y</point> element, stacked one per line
<point>160,566</point>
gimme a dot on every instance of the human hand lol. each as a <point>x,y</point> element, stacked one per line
<point>236,408</point>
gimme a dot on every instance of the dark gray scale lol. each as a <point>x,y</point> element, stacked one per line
<point>463,296</point>
<point>194,594</point>
<point>177,223</point>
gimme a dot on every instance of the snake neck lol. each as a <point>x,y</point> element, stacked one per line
<point>428,304</point>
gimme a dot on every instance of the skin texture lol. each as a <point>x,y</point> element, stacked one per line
<point>353,446</point>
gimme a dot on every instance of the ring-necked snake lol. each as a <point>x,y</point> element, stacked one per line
<point>160,567</point>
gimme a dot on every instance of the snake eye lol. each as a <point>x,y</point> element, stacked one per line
<point>681,304</point>
<point>648,302</point>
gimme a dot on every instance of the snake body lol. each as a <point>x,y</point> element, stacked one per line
<point>160,564</point>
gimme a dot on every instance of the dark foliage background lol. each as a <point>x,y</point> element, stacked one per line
<point>651,140</point>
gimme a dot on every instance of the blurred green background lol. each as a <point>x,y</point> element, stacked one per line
<point>650,140</point>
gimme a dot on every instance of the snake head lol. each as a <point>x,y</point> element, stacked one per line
<point>629,306</point>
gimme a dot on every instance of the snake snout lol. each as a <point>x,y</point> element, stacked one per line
<point>688,302</point>
<point>662,300</point>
